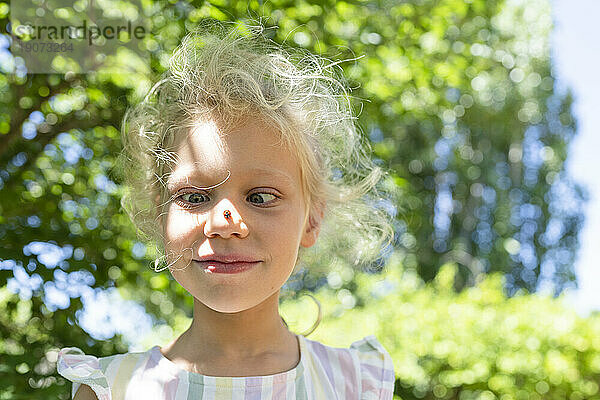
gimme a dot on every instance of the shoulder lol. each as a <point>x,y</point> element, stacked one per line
<point>363,371</point>
<point>376,368</point>
<point>96,372</point>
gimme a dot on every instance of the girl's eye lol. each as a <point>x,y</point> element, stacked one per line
<point>260,200</point>
<point>192,198</point>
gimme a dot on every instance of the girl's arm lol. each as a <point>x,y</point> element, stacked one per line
<point>85,393</point>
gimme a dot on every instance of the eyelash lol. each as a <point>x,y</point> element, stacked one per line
<point>187,205</point>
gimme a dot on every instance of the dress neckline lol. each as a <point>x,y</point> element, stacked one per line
<point>209,380</point>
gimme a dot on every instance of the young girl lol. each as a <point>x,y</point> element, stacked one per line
<point>235,162</point>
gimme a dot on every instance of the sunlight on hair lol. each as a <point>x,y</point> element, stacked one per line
<point>228,73</point>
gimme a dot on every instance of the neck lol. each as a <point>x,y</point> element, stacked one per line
<point>253,334</point>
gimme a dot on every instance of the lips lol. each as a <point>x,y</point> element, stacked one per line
<point>226,268</point>
<point>231,263</point>
<point>228,258</point>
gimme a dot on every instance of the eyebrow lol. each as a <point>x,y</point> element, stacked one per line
<point>175,180</point>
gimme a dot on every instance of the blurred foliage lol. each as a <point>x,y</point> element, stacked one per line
<point>458,97</point>
<point>476,344</point>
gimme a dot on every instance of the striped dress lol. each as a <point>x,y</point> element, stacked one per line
<point>363,372</point>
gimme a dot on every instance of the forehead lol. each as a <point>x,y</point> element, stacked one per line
<point>251,148</point>
<point>189,174</point>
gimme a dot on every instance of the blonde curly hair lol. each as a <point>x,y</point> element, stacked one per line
<point>229,72</point>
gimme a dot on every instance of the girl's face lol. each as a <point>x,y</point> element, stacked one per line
<point>268,219</point>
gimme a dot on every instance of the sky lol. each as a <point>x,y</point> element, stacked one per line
<point>576,56</point>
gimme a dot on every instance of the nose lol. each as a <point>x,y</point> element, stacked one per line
<point>225,221</point>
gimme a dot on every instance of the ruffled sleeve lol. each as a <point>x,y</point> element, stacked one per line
<point>80,368</point>
<point>376,369</point>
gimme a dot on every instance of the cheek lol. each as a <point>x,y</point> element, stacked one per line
<point>285,223</point>
<point>180,226</point>
<point>286,230</point>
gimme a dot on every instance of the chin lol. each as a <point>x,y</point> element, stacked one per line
<point>227,306</point>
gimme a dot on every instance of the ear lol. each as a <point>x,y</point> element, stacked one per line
<point>312,226</point>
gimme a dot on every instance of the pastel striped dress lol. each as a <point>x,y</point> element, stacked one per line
<point>364,371</point>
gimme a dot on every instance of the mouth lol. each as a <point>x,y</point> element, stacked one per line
<point>218,267</point>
